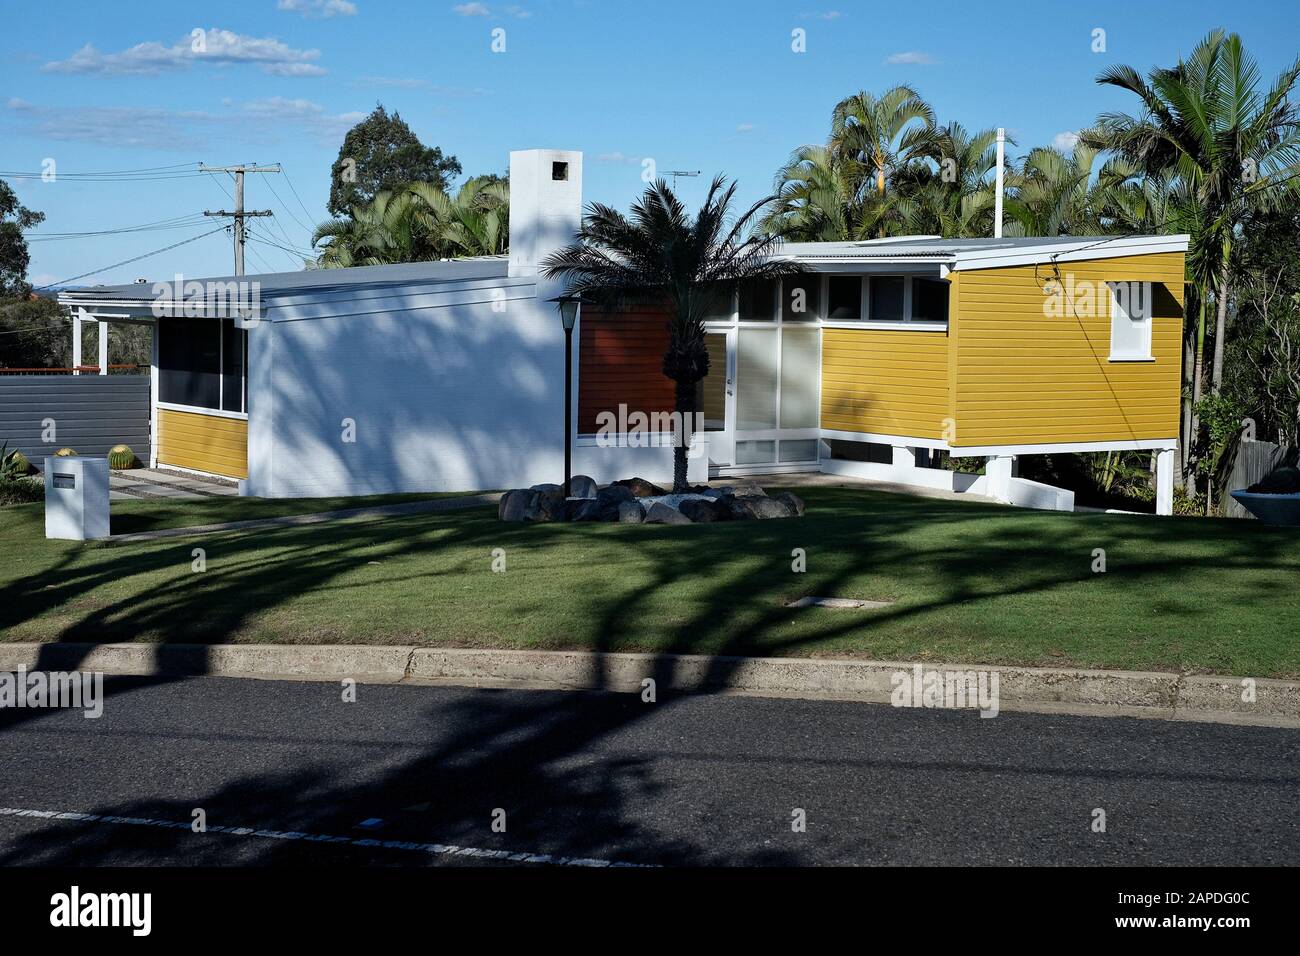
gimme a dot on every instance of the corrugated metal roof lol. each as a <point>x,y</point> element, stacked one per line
<point>323,280</point>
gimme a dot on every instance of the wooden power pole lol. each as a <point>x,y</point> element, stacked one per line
<point>239,214</point>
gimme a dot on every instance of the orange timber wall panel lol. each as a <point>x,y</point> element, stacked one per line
<point>208,443</point>
<point>620,361</point>
<point>885,381</point>
<point>1021,376</point>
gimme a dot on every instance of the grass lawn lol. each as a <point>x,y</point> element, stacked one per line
<point>973,582</point>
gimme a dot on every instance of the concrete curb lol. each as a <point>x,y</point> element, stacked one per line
<point>1156,695</point>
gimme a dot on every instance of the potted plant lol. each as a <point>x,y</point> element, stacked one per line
<point>1275,499</point>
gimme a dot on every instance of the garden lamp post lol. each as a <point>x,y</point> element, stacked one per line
<point>568,307</point>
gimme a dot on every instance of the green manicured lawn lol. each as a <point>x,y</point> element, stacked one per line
<point>973,582</point>
<point>131,516</point>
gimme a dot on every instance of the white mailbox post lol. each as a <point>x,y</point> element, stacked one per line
<point>76,498</point>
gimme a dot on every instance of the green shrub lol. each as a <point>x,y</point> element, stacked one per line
<point>119,457</point>
<point>22,491</point>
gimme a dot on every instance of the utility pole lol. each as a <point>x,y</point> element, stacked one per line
<point>239,214</point>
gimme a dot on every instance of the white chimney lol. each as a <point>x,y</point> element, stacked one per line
<point>545,205</point>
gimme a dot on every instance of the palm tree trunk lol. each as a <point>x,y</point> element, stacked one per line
<point>1198,376</point>
<point>1220,325</point>
<point>685,407</point>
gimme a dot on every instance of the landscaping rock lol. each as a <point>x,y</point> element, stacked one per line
<point>547,506</point>
<point>639,487</point>
<point>580,486</point>
<point>793,502</point>
<point>661,513</point>
<point>630,512</point>
<point>701,511</point>
<point>744,507</point>
<point>546,487</point>
<point>515,504</point>
<point>745,488</point>
<point>584,509</point>
<point>609,500</point>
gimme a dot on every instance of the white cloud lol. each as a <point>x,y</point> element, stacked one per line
<point>214,46</point>
<point>1065,141</point>
<point>264,121</point>
<point>617,157</point>
<point>482,10</point>
<point>830,15</point>
<point>745,128</point>
<point>912,57</point>
<point>319,8</point>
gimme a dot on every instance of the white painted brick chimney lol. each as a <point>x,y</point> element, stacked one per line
<point>545,205</point>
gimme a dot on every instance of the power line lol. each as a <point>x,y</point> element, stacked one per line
<point>305,210</point>
<point>125,262</point>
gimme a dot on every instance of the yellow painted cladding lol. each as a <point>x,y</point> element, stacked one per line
<point>888,382</point>
<point>208,443</point>
<point>1021,376</point>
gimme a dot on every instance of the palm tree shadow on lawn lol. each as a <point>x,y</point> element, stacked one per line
<point>522,739</point>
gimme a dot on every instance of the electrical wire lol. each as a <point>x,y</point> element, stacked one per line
<point>125,262</point>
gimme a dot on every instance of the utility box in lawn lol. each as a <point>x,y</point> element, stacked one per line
<point>76,498</point>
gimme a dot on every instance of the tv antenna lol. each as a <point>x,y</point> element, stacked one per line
<point>675,173</point>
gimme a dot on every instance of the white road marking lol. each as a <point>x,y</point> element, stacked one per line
<point>438,849</point>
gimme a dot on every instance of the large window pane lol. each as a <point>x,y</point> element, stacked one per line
<point>930,300</point>
<point>799,298</point>
<point>712,402</point>
<point>755,452</point>
<point>844,297</point>
<point>756,379</point>
<point>887,298</point>
<point>801,449</point>
<point>189,362</point>
<point>800,372</point>
<point>758,299</point>
<point>232,366</point>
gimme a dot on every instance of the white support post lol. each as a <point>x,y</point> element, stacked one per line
<point>103,348</point>
<point>153,396</point>
<point>1165,481</point>
<point>997,472</point>
<point>76,340</point>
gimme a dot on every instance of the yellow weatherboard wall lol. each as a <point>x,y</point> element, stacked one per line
<point>885,381</point>
<point>1020,376</point>
<point>208,443</point>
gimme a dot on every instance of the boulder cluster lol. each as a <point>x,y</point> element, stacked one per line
<point>637,501</point>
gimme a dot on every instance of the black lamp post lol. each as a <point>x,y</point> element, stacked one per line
<point>568,306</point>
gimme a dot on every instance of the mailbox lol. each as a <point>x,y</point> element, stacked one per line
<point>76,498</point>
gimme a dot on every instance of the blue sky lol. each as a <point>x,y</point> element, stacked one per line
<point>711,85</point>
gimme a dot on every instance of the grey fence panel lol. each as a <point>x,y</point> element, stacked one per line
<point>1255,459</point>
<point>91,413</point>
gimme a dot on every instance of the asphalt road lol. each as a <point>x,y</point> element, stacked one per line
<point>287,772</point>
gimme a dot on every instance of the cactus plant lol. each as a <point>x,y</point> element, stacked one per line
<point>120,457</point>
<point>66,453</point>
<point>13,464</point>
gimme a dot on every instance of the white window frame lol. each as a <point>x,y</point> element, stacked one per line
<point>1122,312</point>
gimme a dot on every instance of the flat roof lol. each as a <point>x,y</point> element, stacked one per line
<point>318,280</point>
<point>982,253</point>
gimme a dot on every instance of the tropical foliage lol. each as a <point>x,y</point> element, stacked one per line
<point>420,222</point>
<point>662,253</point>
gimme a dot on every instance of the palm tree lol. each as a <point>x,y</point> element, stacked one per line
<point>418,223</point>
<point>955,199</point>
<point>1206,122</point>
<point>817,198</point>
<point>366,238</point>
<point>1054,194</point>
<point>690,262</point>
<point>883,136</point>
